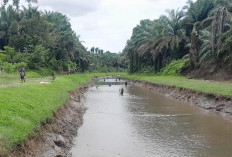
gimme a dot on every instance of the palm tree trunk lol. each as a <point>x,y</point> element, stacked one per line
<point>131,64</point>
<point>136,62</point>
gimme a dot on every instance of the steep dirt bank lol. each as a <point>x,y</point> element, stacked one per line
<point>209,72</point>
<point>216,103</point>
<point>56,135</point>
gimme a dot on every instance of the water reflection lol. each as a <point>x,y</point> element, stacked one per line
<point>143,124</point>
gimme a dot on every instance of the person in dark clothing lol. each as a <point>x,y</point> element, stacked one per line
<point>53,77</point>
<point>126,83</point>
<point>122,91</point>
<point>22,73</point>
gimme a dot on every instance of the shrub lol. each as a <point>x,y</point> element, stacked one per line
<point>8,67</point>
<point>147,70</point>
<point>175,67</point>
<point>19,65</point>
<point>45,71</point>
<point>2,56</point>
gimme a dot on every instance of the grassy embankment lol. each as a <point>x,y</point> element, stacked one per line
<point>24,107</point>
<point>13,79</point>
<point>205,86</point>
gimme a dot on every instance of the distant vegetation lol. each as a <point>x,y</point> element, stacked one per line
<point>201,31</point>
<point>45,42</point>
<point>101,61</point>
<point>38,40</point>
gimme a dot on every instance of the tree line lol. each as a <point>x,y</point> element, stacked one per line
<point>106,61</point>
<point>201,31</point>
<point>38,40</point>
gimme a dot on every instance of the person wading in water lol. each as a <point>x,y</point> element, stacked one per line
<point>121,91</point>
<point>126,83</point>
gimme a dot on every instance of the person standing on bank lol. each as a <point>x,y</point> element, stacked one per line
<point>22,73</point>
<point>53,77</point>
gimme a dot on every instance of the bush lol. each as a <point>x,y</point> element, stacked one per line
<point>45,71</point>
<point>72,66</point>
<point>8,67</point>
<point>19,65</point>
<point>175,67</point>
<point>147,70</point>
<point>2,56</point>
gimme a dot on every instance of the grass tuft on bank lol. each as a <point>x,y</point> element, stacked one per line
<point>24,107</point>
<point>205,86</point>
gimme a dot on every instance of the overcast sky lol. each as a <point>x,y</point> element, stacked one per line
<point>108,24</point>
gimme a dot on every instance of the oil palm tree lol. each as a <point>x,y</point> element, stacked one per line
<point>196,12</point>
<point>7,15</point>
<point>215,39</point>
<point>158,39</point>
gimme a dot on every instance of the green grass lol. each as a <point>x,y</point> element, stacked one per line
<point>24,107</point>
<point>9,78</point>
<point>14,78</point>
<point>210,87</point>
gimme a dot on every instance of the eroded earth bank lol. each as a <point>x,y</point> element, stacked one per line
<point>55,138</point>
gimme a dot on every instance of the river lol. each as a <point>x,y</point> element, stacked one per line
<point>142,123</point>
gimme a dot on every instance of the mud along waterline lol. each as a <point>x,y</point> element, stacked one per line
<point>143,123</point>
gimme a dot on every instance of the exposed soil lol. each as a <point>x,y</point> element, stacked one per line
<point>216,103</point>
<point>209,72</point>
<point>55,137</point>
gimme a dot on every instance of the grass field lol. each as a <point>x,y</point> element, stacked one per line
<point>14,78</point>
<point>211,87</point>
<point>24,107</point>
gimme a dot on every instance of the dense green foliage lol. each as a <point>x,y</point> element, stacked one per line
<point>45,40</point>
<point>32,104</point>
<point>210,87</point>
<point>175,68</point>
<point>201,31</point>
<point>38,40</point>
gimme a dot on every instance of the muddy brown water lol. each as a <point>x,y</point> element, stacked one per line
<point>142,123</point>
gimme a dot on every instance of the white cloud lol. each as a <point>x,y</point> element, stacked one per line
<point>108,24</point>
<point>69,7</point>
